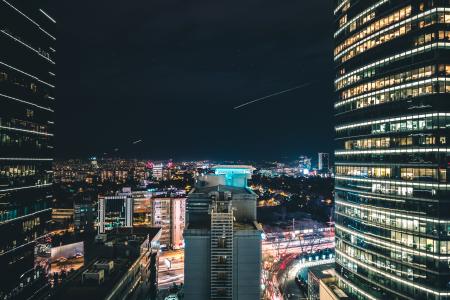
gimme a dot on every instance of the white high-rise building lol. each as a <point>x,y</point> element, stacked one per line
<point>115,211</point>
<point>324,162</point>
<point>178,222</point>
<point>222,238</point>
<point>158,171</point>
<point>169,214</point>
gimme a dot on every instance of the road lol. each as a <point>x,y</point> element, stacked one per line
<point>286,277</point>
<point>286,280</point>
<point>171,269</point>
<point>282,262</point>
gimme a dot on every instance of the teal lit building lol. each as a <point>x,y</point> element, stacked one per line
<point>235,175</point>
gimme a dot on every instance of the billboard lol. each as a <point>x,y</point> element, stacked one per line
<point>67,257</point>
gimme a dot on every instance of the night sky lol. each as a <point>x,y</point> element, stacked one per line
<point>169,72</point>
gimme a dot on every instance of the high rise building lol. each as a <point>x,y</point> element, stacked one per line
<point>84,212</point>
<point>142,208</point>
<point>324,162</point>
<point>115,211</point>
<point>158,171</point>
<point>177,218</point>
<point>393,117</point>
<point>222,238</point>
<point>169,214</point>
<point>27,100</point>
<point>161,218</point>
<point>304,165</point>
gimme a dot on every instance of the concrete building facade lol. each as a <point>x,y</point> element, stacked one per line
<point>222,239</point>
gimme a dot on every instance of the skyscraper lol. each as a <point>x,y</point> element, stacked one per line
<point>158,171</point>
<point>27,100</point>
<point>324,162</point>
<point>392,62</point>
<point>304,165</point>
<point>222,238</point>
<point>169,214</point>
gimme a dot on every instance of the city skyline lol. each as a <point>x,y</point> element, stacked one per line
<point>235,150</point>
<point>170,61</point>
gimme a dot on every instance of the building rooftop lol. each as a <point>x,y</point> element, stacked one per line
<point>222,188</point>
<point>143,231</point>
<point>247,226</point>
<point>203,227</point>
<point>77,290</point>
<point>212,189</point>
<point>327,276</point>
<point>243,168</point>
<point>135,233</point>
<point>121,247</point>
<point>323,271</point>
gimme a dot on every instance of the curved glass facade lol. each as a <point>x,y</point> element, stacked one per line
<point>27,100</point>
<point>392,154</point>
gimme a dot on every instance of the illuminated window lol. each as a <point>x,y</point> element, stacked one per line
<point>342,21</point>
<point>389,81</point>
<point>418,174</point>
<point>374,27</point>
<point>222,259</point>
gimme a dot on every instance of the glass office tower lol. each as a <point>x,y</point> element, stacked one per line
<point>27,91</point>
<point>392,61</point>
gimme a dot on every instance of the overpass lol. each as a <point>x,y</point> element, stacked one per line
<point>298,242</point>
<point>287,279</point>
<point>286,253</point>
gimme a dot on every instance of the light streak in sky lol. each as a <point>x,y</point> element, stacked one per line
<point>273,95</point>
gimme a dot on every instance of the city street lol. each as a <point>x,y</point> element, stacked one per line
<point>286,276</point>
<point>171,268</point>
<point>282,262</point>
<point>286,281</point>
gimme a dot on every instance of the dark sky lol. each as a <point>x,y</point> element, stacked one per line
<point>169,72</point>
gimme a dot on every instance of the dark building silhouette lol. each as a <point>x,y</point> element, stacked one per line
<point>27,100</point>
